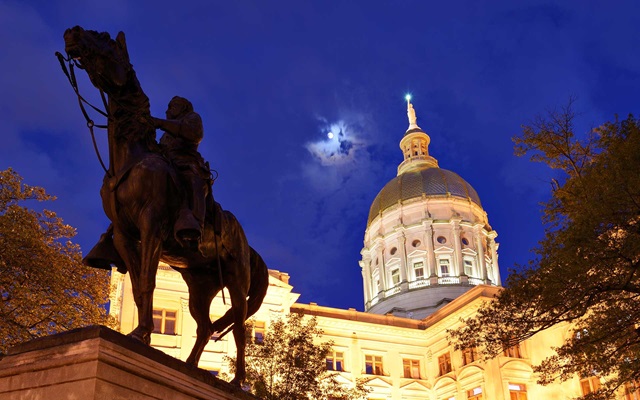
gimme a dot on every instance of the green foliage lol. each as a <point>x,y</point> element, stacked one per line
<point>587,268</point>
<point>290,365</point>
<point>44,287</point>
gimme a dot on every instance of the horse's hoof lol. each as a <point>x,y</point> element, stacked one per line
<point>144,338</point>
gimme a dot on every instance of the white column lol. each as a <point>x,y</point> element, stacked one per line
<point>365,264</point>
<point>477,236</point>
<point>457,248</point>
<point>494,256</point>
<point>431,256</point>
<point>402,242</point>
<point>382,272</point>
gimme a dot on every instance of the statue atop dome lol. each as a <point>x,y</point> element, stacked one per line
<point>411,113</point>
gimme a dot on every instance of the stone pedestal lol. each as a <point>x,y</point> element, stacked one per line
<point>97,363</point>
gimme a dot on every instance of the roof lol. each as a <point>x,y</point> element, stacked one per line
<point>430,182</point>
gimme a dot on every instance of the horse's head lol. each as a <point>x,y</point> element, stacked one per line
<point>105,60</point>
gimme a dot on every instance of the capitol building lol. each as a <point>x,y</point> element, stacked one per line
<point>430,259</point>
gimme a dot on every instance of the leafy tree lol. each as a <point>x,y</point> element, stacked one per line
<point>586,270</point>
<point>288,365</point>
<point>44,287</point>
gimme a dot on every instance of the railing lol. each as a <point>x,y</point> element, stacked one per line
<point>392,291</point>
<point>475,281</point>
<point>419,283</point>
<point>449,280</point>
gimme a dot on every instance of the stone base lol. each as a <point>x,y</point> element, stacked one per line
<point>97,363</point>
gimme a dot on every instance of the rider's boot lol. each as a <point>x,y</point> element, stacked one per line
<point>190,223</point>
<point>104,254</point>
<point>187,230</point>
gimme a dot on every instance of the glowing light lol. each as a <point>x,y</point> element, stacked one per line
<point>330,135</point>
<point>407,97</point>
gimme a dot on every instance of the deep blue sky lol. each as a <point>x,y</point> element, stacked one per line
<point>271,78</point>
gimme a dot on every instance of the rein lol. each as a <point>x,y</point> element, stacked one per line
<point>71,76</point>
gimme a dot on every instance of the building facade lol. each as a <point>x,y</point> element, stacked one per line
<point>429,260</point>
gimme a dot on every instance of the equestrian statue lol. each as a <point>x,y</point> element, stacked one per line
<point>159,200</point>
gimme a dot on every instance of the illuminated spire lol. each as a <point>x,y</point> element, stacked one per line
<point>411,113</point>
<point>415,145</point>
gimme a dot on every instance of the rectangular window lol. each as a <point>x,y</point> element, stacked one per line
<point>411,368</point>
<point>474,394</point>
<point>468,267</point>
<point>589,385</point>
<point>469,355</point>
<point>444,266</point>
<point>335,361</point>
<point>376,282</point>
<point>418,270</point>
<point>517,392</point>
<point>444,364</point>
<point>164,321</point>
<point>395,277</point>
<point>513,352</point>
<point>258,332</point>
<point>373,365</point>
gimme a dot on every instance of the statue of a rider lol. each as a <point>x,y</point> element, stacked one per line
<point>183,132</point>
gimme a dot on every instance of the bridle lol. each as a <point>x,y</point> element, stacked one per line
<point>71,76</point>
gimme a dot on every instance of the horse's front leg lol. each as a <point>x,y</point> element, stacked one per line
<point>142,265</point>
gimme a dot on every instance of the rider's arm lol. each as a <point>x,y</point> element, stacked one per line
<point>189,127</point>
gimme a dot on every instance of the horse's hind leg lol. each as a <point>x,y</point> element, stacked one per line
<point>203,287</point>
<point>239,305</point>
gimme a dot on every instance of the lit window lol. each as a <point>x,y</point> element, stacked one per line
<point>589,385</point>
<point>164,321</point>
<point>395,277</point>
<point>418,269</point>
<point>444,363</point>
<point>444,267</point>
<point>373,365</point>
<point>258,332</point>
<point>474,394</point>
<point>469,356</point>
<point>411,368</point>
<point>513,352</point>
<point>335,361</point>
<point>468,267</point>
<point>517,392</point>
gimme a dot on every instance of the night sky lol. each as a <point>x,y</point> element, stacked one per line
<point>271,79</point>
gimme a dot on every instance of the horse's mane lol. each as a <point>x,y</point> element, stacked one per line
<point>135,101</point>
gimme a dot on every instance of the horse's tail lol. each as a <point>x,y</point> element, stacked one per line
<point>259,283</point>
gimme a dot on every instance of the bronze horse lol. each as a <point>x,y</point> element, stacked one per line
<point>141,196</point>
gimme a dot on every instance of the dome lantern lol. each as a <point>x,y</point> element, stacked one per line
<point>415,145</point>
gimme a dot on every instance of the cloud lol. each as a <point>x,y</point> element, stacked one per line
<point>341,144</point>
